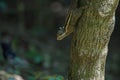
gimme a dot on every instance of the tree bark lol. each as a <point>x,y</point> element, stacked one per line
<point>90,39</point>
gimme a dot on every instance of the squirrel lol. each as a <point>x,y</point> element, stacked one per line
<point>70,24</point>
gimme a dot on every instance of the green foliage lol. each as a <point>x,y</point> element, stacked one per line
<point>31,78</point>
<point>53,78</point>
<point>34,54</point>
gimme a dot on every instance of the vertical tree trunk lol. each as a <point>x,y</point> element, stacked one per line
<point>90,39</point>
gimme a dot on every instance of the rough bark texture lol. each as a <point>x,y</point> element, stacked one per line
<point>90,39</point>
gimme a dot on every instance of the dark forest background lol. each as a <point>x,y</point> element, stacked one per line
<point>33,24</point>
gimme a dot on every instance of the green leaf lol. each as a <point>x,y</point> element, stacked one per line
<point>51,78</point>
<point>38,59</point>
<point>34,55</point>
<point>31,78</point>
<point>59,78</point>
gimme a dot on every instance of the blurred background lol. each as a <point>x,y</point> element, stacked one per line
<point>29,27</point>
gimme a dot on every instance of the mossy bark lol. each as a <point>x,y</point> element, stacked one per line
<point>91,38</point>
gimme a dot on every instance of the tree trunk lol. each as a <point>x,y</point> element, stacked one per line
<point>90,39</point>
